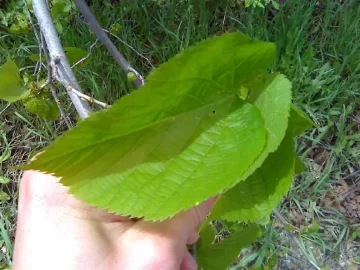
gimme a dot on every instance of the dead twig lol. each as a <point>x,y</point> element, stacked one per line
<point>130,47</point>
<point>62,112</point>
<point>82,60</point>
<point>52,85</point>
<point>5,108</point>
<point>38,39</point>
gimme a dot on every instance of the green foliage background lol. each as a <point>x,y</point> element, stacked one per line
<point>317,45</point>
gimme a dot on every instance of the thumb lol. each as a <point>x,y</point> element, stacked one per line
<point>171,236</point>
<point>185,223</point>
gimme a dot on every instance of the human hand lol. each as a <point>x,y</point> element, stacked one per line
<point>57,231</point>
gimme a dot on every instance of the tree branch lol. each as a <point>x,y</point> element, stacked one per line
<point>43,47</point>
<point>51,84</point>
<point>59,62</point>
<point>103,37</point>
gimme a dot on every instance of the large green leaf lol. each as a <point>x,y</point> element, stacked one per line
<point>10,88</point>
<point>220,255</point>
<point>254,198</point>
<point>163,169</point>
<point>180,139</point>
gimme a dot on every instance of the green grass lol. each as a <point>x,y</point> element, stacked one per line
<point>318,49</point>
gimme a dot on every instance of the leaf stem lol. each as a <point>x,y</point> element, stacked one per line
<point>90,99</point>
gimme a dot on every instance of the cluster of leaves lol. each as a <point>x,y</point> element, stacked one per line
<point>36,99</point>
<point>28,89</point>
<point>14,18</point>
<point>40,102</point>
<point>210,121</point>
<point>33,94</point>
<point>62,12</point>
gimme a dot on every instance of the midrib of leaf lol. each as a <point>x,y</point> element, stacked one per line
<point>74,172</point>
<point>120,160</point>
